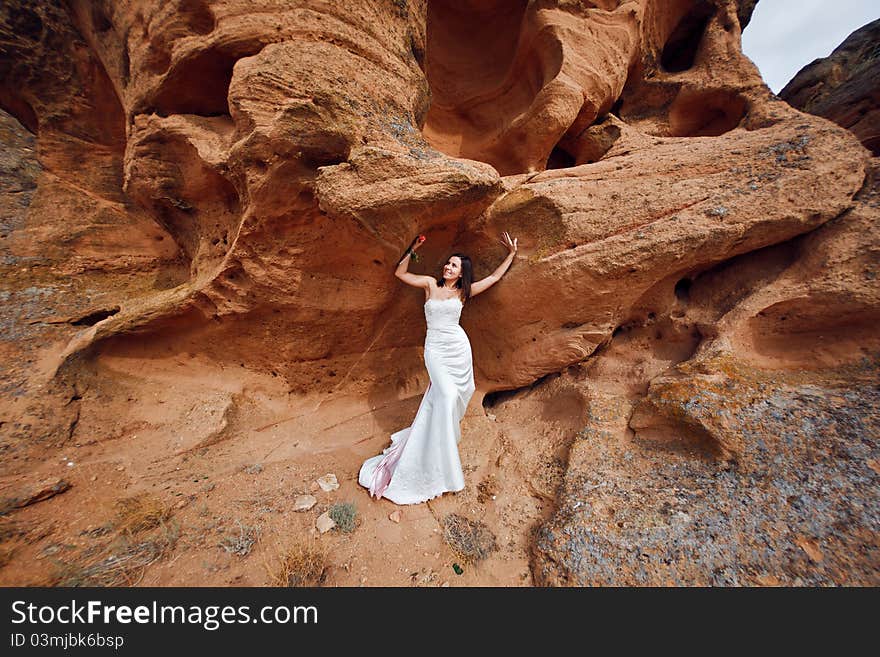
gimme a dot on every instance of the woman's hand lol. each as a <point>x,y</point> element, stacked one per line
<point>411,251</point>
<point>509,243</point>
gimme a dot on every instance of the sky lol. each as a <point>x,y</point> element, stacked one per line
<point>786,35</point>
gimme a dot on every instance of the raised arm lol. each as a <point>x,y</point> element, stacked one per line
<point>484,284</point>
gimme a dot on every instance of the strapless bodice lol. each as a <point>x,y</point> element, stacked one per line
<point>443,313</point>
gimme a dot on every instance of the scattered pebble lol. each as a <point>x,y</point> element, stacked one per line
<point>304,502</point>
<point>325,523</point>
<point>328,482</point>
<point>395,516</point>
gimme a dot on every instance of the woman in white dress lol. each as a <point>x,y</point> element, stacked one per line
<point>422,461</point>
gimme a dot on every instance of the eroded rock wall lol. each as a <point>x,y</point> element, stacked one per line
<point>206,201</point>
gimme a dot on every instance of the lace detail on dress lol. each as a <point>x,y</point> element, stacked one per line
<point>442,314</point>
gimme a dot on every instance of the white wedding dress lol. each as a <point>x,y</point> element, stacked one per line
<point>422,461</point>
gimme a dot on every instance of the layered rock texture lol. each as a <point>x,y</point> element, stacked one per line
<point>845,86</point>
<point>202,207</point>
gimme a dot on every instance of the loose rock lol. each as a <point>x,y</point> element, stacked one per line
<point>328,482</point>
<point>304,502</point>
<point>325,523</point>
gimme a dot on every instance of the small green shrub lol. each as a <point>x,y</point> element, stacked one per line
<point>344,514</point>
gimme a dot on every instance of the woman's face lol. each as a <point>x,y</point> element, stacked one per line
<point>452,269</point>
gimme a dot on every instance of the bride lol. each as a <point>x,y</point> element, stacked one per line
<point>422,461</point>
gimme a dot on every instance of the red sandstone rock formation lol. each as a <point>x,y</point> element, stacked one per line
<point>845,86</point>
<point>203,204</point>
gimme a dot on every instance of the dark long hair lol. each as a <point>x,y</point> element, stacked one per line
<point>467,275</point>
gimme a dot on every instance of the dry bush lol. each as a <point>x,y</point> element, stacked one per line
<point>140,513</point>
<point>242,543</point>
<point>470,540</point>
<point>122,562</point>
<point>140,534</point>
<point>303,564</point>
